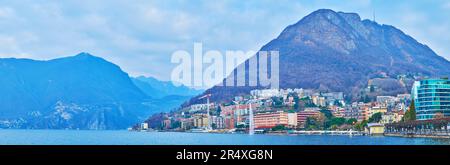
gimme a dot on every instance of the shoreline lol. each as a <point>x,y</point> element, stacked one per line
<point>320,134</point>
<point>268,133</point>
<point>418,136</point>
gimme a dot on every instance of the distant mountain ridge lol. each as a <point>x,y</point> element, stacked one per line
<point>337,51</point>
<point>77,92</point>
<point>159,89</point>
<point>165,95</point>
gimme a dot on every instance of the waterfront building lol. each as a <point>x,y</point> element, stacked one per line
<point>303,115</point>
<point>377,109</point>
<point>376,129</point>
<point>229,122</point>
<point>431,96</point>
<point>241,120</point>
<point>241,109</point>
<point>201,121</point>
<point>166,124</point>
<point>270,119</point>
<point>338,112</point>
<point>292,120</point>
<point>392,117</point>
<point>187,123</point>
<point>218,122</point>
<point>352,112</point>
<point>144,126</point>
<point>363,112</point>
<point>357,110</point>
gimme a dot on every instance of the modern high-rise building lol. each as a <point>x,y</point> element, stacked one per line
<point>431,96</point>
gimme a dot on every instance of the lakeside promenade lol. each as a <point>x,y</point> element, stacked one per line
<point>441,135</point>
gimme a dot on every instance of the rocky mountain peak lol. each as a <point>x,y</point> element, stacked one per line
<point>337,51</point>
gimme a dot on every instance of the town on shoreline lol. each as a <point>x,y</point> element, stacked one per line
<point>314,112</point>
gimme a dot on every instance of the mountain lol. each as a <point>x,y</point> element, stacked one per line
<point>78,92</point>
<point>166,103</point>
<point>337,51</point>
<point>159,89</point>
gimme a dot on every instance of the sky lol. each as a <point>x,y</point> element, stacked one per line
<point>140,36</point>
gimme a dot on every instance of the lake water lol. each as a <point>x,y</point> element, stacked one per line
<point>123,137</point>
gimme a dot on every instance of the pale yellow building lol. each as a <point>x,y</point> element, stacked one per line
<point>376,129</point>
<point>392,117</point>
<point>201,121</point>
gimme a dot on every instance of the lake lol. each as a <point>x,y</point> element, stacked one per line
<point>123,137</point>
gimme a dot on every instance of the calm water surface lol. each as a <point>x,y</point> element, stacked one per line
<point>123,137</point>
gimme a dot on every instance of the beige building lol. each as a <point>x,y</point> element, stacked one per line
<point>292,120</point>
<point>201,121</point>
<point>271,119</point>
<point>319,101</point>
<point>377,109</point>
<point>392,117</point>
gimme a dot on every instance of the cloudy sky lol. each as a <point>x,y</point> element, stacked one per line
<point>140,36</point>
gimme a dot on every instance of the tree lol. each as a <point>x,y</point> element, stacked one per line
<point>337,121</point>
<point>327,113</point>
<point>307,102</point>
<point>175,124</point>
<point>360,126</point>
<point>277,101</point>
<point>337,103</point>
<point>296,103</point>
<point>410,114</point>
<point>320,120</point>
<point>375,118</point>
<point>218,110</point>
<point>310,123</point>
<point>351,121</point>
<point>365,99</point>
<point>334,127</point>
<point>278,128</point>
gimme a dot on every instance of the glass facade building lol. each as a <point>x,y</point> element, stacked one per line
<point>431,96</point>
